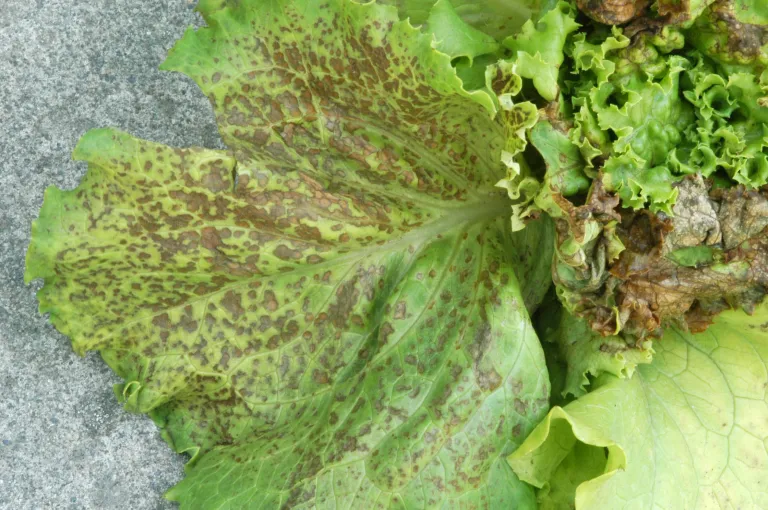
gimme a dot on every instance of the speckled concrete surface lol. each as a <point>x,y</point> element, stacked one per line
<point>67,66</point>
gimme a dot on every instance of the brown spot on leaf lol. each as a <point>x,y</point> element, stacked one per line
<point>162,321</point>
<point>233,304</point>
<point>400,310</point>
<point>283,252</point>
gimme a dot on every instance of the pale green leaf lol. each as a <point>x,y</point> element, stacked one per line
<point>688,431</point>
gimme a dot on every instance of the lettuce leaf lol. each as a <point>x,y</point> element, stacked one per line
<point>682,11</point>
<point>327,314</point>
<point>335,311</point>
<point>733,32</point>
<point>538,48</point>
<point>496,18</point>
<point>586,354</point>
<point>687,431</point>
<point>456,38</point>
<point>653,116</point>
<point>633,120</point>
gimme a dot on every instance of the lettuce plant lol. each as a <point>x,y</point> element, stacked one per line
<point>457,254</point>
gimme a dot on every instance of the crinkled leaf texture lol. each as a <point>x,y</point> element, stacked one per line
<point>454,37</point>
<point>327,315</point>
<point>587,353</point>
<point>497,18</point>
<point>538,48</point>
<point>689,431</point>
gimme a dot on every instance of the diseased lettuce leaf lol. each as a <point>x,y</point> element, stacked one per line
<point>682,11</point>
<point>733,32</point>
<point>335,312</point>
<point>632,272</point>
<point>687,431</point>
<point>326,315</point>
<point>614,12</point>
<point>517,117</point>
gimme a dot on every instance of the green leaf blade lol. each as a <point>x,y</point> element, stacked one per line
<point>539,48</point>
<point>456,38</point>
<point>497,18</point>
<point>687,431</point>
<point>327,314</point>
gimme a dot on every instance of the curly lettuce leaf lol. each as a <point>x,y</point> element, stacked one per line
<point>327,314</point>
<point>650,111</point>
<point>504,83</point>
<point>636,98</point>
<point>732,126</point>
<point>517,117</point>
<point>470,49</point>
<point>456,38</point>
<point>497,18</point>
<point>687,431</point>
<point>538,48</point>
<point>650,117</point>
<point>564,175</point>
<point>587,354</point>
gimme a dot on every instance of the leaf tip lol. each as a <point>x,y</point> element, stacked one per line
<point>97,142</point>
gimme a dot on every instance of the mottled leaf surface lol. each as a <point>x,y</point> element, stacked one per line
<point>326,315</point>
<point>687,431</point>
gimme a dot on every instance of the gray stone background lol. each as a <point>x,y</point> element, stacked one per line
<point>67,66</point>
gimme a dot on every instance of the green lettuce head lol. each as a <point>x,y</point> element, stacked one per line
<point>336,311</point>
<point>655,156</point>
